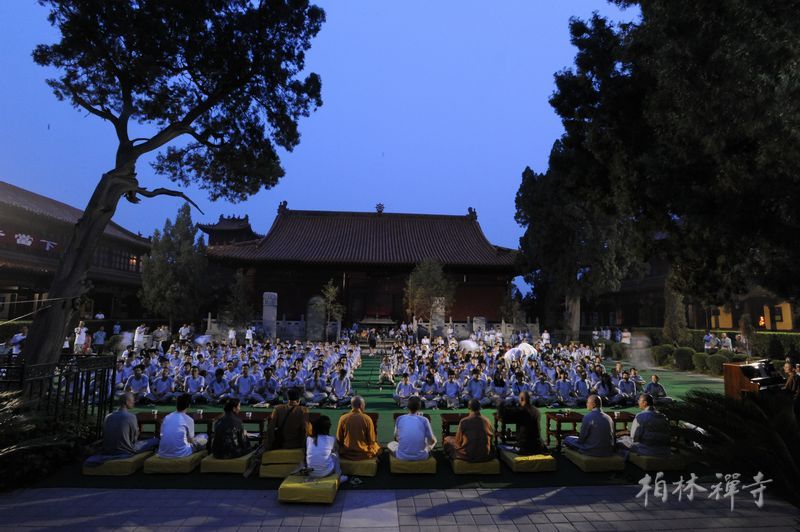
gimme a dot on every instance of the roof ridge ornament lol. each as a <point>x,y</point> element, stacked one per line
<point>472,214</point>
<point>379,208</point>
<point>282,207</point>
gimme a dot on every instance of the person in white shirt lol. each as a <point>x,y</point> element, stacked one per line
<point>245,386</point>
<point>322,451</point>
<point>138,336</point>
<point>177,433</point>
<point>248,335</point>
<point>545,337</point>
<point>232,337</point>
<point>80,337</point>
<point>340,389</point>
<point>184,332</point>
<point>413,434</point>
<point>626,337</point>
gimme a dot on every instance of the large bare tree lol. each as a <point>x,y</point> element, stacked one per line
<point>225,75</point>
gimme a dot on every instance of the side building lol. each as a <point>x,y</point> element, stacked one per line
<point>369,255</point>
<point>640,303</point>
<point>34,231</point>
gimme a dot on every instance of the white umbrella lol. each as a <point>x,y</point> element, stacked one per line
<point>526,348</point>
<point>203,340</point>
<point>511,355</point>
<point>469,345</point>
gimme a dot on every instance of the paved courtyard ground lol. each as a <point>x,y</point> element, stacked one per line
<point>524,509</point>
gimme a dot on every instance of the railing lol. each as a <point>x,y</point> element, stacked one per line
<point>75,390</point>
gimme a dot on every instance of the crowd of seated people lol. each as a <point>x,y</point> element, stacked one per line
<point>444,376</point>
<point>254,374</point>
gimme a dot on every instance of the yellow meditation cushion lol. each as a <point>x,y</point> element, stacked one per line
<point>283,456</point>
<point>360,468</point>
<point>297,488</point>
<point>595,464</point>
<point>533,463</point>
<point>227,465</point>
<point>157,465</point>
<point>276,470</point>
<point>462,467</point>
<point>415,467</point>
<point>673,462</point>
<point>119,467</point>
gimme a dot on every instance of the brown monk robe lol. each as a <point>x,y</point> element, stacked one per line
<point>288,424</point>
<point>473,440</point>
<point>356,434</point>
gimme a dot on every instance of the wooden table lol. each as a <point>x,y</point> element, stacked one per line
<point>208,418</point>
<point>450,420</point>
<point>555,426</point>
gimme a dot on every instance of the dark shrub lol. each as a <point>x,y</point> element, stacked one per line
<point>726,353</point>
<point>683,358</point>
<point>699,361</point>
<point>714,363</point>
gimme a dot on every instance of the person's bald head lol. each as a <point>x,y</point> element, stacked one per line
<point>127,400</point>
<point>358,403</point>
<point>594,401</point>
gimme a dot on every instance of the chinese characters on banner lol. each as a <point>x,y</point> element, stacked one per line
<point>727,487</point>
<point>28,240</point>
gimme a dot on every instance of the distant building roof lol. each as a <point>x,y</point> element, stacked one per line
<point>299,236</point>
<point>227,223</point>
<point>43,206</point>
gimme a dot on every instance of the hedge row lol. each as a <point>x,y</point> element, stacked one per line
<point>776,345</point>
<point>685,358</point>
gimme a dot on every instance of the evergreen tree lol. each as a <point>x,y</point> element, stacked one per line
<point>174,273</point>
<point>333,309</point>
<point>675,329</point>
<point>238,307</point>
<point>427,288</point>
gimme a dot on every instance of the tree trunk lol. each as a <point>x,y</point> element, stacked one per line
<point>50,324</point>
<point>572,313</point>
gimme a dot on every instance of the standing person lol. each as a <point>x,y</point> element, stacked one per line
<point>138,336</point>
<point>792,387</point>
<point>178,438</point>
<point>473,440</point>
<point>80,338</point>
<point>322,449</point>
<point>116,329</point>
<point>184,332</point>
<point>356,433</point>
<point>248,335</point>
<point>99,340</point>
<point>232,337</point>
<point>414,438</point>
<point>18,340</point>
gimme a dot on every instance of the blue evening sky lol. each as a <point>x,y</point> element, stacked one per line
<point>429,107</point>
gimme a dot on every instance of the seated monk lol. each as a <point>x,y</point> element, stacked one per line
<point>473,440</point>
<point>650,432</point>
<point>597,437</point>
<point>288,424</point>
<point>527,418</point>
<point>356,433</point>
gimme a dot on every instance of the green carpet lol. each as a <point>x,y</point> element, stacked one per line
<point>380,400</point>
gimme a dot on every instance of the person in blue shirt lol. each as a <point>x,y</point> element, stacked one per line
<point>451,391</point>
<point>627,391</point>
<point>99,340</point>
<point>657,391</point>
<point>476,389</point>
<point>340,389</point>
<point>316,388</point>
<point>403,391</point>
<point>542,393</point>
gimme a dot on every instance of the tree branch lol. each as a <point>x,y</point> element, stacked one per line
<point>139,138</point>
<point>131,196</point>
<point>105,114</point>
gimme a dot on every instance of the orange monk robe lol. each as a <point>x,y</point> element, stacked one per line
<point>356,436</point>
